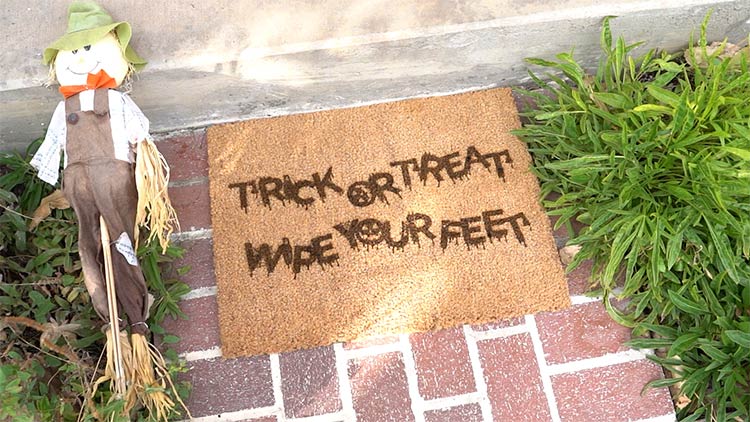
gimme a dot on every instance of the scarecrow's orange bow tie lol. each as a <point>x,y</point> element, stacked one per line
<point>93,81</point>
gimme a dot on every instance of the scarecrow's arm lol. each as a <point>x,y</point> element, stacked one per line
<point>154,210</point>
<point>136,125</point>
<point>47,158</point>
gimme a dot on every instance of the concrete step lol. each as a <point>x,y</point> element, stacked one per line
<point>224,61</point>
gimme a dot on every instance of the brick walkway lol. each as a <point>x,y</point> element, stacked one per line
<point>560,366</point>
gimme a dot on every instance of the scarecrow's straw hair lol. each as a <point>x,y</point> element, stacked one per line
<point>150,379</point>
<point>51,76</point>
<point>109,369</point>
<point>127,83</point>
<point>147,377</point>
<point>154,209</point>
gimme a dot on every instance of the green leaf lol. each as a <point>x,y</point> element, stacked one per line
<point>606,35</point>
<point>618,316</point>
<point>170,339</point>
<point>664,96</point>
<point>684,343</point>
<point>613,99</point>
<point>726,257</point>
<point>620,245</point>
<point>687,305</point>
<point>554,114</point>
<point>649,343</point>
<point>740,337</point>
<point>665,332</point>
<point>660,383</point>
<point>714,353</point>
<point>678,191</point>
<point>669,66</point>
<point>7,197</point>
<point>541,62</point>
<point>652,108</point>
<point>739,152</point>
<point>674,248</point>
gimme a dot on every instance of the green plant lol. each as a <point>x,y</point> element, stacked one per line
<point>653,156</point>
<point>50,338</point>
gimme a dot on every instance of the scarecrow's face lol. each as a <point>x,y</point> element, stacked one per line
<point>73,67</point>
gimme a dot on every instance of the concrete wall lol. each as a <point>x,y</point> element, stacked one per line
<point>225,60</point>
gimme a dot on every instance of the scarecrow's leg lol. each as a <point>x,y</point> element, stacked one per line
<point>117,203</point>
<point>79,194</point>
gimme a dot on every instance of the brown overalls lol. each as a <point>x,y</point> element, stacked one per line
<point>96,183</point>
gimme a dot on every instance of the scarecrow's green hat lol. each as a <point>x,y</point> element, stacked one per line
<point>88,23</point>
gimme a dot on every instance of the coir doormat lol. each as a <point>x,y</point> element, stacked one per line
<point>390,218</point>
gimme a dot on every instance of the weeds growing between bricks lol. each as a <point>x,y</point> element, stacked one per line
<point>652,155</point>
<point>50,337</point>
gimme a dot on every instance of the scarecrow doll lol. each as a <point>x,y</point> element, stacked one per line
<point>116,181</point>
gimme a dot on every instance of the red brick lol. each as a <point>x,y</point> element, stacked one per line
<point>186,155</point>
<point>379,389</point>
<point>464,413</point>
<point>228,385</point>
<point>581,332</point>
<point>443,366</point>
<point>514,385</point>
<point>201,330</point>
<point>192,206</point>
<point>503,323</point>
<point>199,256</point>
<point>369,342</point>
<point>611,394</point>
<point>579,280</point>
<point>309,383</point>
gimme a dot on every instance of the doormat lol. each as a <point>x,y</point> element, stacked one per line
<point>390,218</point>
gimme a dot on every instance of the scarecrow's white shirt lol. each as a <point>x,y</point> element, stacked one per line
<point>129,126</point>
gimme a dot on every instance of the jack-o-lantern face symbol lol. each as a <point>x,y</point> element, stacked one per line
<point>360,194</point>
<point>370,232</point>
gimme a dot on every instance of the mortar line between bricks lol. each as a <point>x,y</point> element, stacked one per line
<point>199,293</point>
<point>345,388</point>
<point>278,396</point>
<point>214,352</point>
<point>328,417</point>
<point>191,181</point>
<point>664,418</point>
<point>495,333</point>
<point>410,367</point>
<point>239,415</point>
<point>582,299</point>
<point>476,369</point>
<point>541,361</point>
<point>609,359</point>
<point>197,234</point>
<point>452,401</point>
<point>371,351</point>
